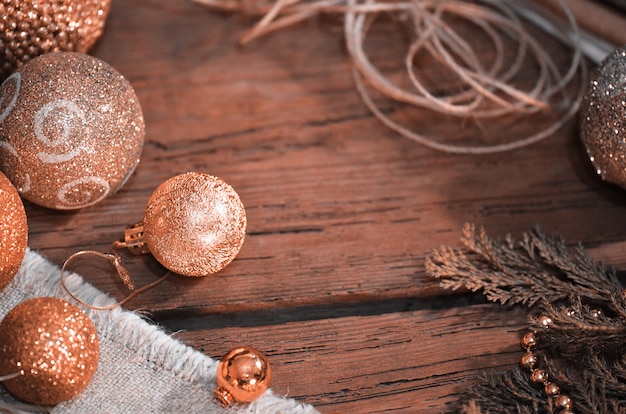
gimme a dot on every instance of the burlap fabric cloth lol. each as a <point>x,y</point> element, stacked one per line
<point>141,368</point>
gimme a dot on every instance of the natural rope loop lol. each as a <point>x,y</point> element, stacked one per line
<point>487,90</point>
<point>115,260</point>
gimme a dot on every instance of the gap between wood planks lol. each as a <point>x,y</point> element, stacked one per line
<point>190,320</point>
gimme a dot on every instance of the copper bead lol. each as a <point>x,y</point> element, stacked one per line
<point>71,130</point>
<point>551,389</point>
<point>545,321</point>
<point>243,375</point>
<point>13,231</point>
<point>528,361</point>
<point>529,340</point>
<point>538,376</point>
<point>53,345</point>
<point>194,224</point>
<point>31,28</point>
<point>563,402</point>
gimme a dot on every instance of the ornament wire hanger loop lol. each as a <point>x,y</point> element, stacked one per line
<point>115,260</point>
<point>9,376</point>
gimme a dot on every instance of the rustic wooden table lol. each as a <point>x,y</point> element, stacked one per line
<point>342,212</point>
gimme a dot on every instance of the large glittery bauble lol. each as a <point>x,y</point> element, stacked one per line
<point>603,118</point>
<point>13,231</point>
<point>53,345</point>
<point>243,375</point>
<point>194,224</point>
<point>29,28</point>
<point>71,130</point>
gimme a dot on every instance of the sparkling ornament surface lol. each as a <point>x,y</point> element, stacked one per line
<point>603,118</point>
<point>194,224</point>
<point>53,345</point>
<point>13,231</point>
<point>243,375</point>
<point>71,130</point>
<point>29,28</point>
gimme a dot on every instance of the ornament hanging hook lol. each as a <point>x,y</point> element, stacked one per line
<point>114,260</point>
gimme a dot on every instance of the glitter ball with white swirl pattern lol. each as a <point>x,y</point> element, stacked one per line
<point>71,130</point>
<point>603,118</point>
<point>194,224</point>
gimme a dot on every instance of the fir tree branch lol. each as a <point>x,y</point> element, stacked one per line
<point>539,269</point>
<point>584,345</point>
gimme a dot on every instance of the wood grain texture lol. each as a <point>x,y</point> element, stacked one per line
<point>341,211</point>
<point>417,361</point>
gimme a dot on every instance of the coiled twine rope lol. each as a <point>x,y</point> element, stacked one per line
<point>484,90</point>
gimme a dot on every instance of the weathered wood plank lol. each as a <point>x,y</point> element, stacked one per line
<point>416,361</point>
<point>339,208</point>
<point>341,211</point>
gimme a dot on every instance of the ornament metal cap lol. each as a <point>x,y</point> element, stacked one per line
<point>243,375</point>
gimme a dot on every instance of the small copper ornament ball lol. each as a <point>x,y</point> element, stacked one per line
<point>71,130</point>
<point>13,231</point>
<point>243,375</point>
<point>53,345</point>
<point>29,28</point>
<point>603,118</point>
<point>194,224</point>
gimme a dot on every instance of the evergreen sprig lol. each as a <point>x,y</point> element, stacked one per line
<point>584,347</point>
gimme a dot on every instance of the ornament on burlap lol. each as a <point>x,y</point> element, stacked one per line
<point>29,28</point>
<point>243,375</point>
<point>49,350</point>
<point>603,118</point>
<point>71,130</point>
<point>13,231</point>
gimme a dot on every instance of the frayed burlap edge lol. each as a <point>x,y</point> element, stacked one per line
<point>145,346</point>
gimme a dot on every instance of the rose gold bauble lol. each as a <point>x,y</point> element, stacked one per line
<point>13,231</point>
<point>243,375</point>
<point>194,224</point>
<point>53,345</point>
<point>29,28</point>
<point>71,130</point>
<point>603,118</point>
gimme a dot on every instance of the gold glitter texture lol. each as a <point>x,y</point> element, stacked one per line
<point>71,130</point>
<point>194,224</point>
<point>53,345</point>
<point>29,28</point>
<point>603,118</point>
<point>13,231</point>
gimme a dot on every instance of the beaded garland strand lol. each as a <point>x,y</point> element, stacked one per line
<point>581,330</point>
<point>539,376</point>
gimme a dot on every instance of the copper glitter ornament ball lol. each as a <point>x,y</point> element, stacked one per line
<point>71,130</point>
<point>603,118</point>
<point>29,28</point>
<point>13,231</point>
<point>52,345</point>
<point>194,224</point>
<point>243,375</point>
